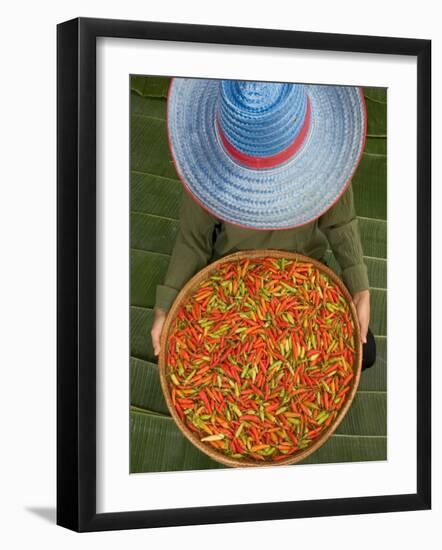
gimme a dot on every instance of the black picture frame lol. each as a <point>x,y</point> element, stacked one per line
<point>76,273</point>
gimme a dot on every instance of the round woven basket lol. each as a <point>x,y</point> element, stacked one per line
<point>185,293</point>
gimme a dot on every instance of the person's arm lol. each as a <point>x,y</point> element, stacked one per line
<point>191,252</point>
<point>340,226</point>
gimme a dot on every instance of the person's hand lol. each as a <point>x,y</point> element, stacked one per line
<point>157,327</point>
<point>362,302</point>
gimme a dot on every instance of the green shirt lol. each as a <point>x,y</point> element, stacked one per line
<point>195,246</point>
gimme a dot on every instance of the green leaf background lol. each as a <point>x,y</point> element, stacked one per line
<point>156,443</point>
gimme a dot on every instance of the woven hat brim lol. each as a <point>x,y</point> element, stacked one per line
<point>289,195</point>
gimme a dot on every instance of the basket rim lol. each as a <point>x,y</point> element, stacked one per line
<point>188,288</point>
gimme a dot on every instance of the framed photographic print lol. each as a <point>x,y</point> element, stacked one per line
<point>243,225</point>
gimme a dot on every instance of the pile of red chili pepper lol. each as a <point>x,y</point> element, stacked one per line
<point>260,357</point>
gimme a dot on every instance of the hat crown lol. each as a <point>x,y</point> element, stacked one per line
<point>257,96</point>
<point>260,119</point>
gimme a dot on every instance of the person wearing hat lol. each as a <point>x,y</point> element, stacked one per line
<point>266,165</point>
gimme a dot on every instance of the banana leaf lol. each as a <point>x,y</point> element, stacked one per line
<point>373,237</point>
<point>151,107</point>
<point>356,422</point>
<point>153,233</point>
<point>370,192</point>
<point>349,448</point>
<point>376,94</point>
<point>157,445</point>
<point>156,86</point>
<point>145,388</point>
<point>147,270</point>
<point>150,147</point>
<point>155,195</point>
<point>156,442</point>
<point>376,104</point>
<point>140,342</point>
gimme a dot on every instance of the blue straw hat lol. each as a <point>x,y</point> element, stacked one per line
<point>265,155</point>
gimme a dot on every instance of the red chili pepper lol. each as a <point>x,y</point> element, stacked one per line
<point>228,335</point>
